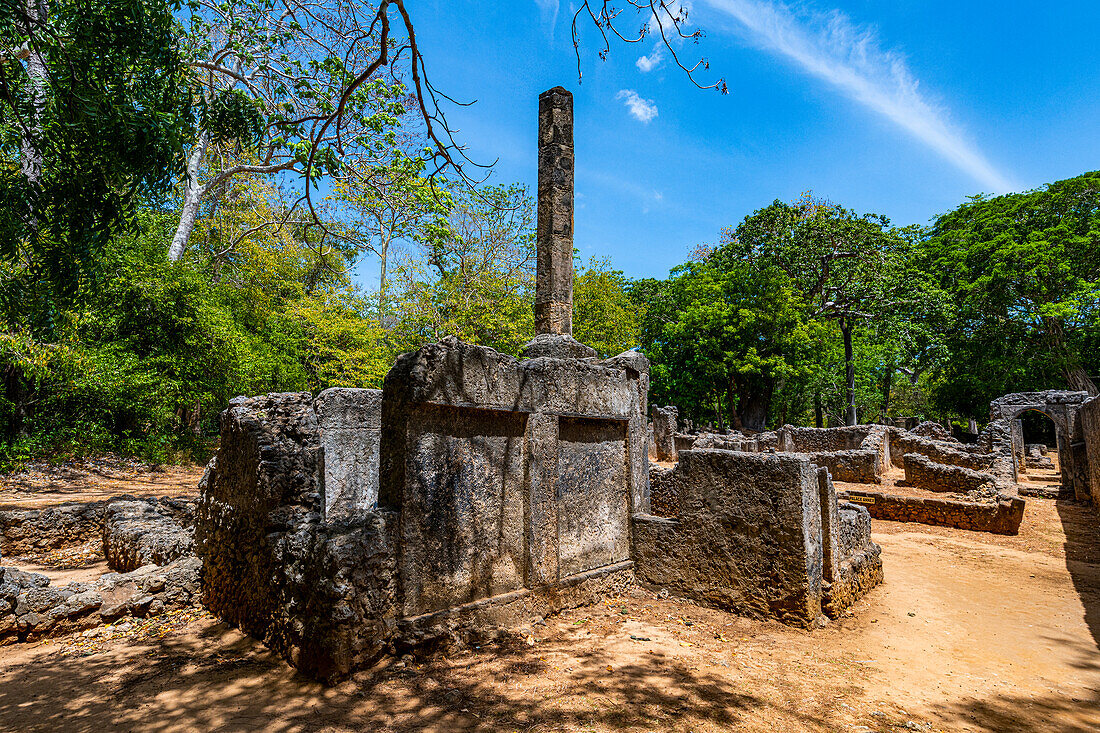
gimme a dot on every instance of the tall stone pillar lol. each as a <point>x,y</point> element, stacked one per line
<point>554,274</point>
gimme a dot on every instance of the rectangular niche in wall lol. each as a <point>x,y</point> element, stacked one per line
<point>462,513</point>
<point>593,494</point>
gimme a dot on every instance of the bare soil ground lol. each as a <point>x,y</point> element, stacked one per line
<point>94,479</point>
<point>970,632</point>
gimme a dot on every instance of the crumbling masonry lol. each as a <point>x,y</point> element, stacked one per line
<point>477,490</point>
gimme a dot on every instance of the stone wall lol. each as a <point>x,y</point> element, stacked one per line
<point>922,473</point>
<point>31,608</point>
<point>505,490</point>
<point>351,423</point>
<point>664,492</point>
<point>860,566</point>
<point>29,531</point>
<point>664,432</point>
<point>949,454</point>
<point>1089,417</point>
<point>755,534</point>
<point>817,440</point>
<point>136,534</point>
<point>32,531</point>
<point>316,594</point>
<point>854,466</point>
<point>1002,516</point>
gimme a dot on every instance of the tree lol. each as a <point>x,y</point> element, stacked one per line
<point>91,122</point>
<point>843,265</point>
<point>721,328</point>
<point>285,88</point>
<point>1022,272</point>
<point>315,88</point>
<point>389,204</point>
<point>475,278</point>
<point>605,317</point>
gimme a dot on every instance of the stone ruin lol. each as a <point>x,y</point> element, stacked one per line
<point>148,547</point>
<point>964,486</point>
<point>478,491</point>
<point>664,432</point>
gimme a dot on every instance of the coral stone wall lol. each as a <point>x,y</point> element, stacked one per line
<point>854,466</point>
<point>817,440</point>
<point>902,442</point>
<point>921,472</point>
<point>747,538</point>
<point>316,594</point>
<point>759,534</point>
<point>1000,517</point>
<point>23,532</point>
<point>1089,416</point>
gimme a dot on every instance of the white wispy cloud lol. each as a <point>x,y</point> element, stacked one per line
<point>849,57</point>
<point>643,110</point>
<point>648,63</point>
<point>549,11</point>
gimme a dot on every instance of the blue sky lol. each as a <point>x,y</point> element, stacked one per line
<point>902,108</point>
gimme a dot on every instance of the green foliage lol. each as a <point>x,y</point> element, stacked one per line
<point>143,364</point>
<point>1022,275</point>
<point>605,316</point>
<point>232,118</point>
<point>724,329</point>
<point>105,115</point>
<point>473,278</point>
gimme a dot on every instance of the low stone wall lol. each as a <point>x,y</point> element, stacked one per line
<point>1089,416</point>
<point>933,431</point>
<point>902,442</point>
<point>1039,462</point>
<point>32,531</point>
<point>665,498</point>
<point>758,534</point>
<point>136,534</point>
<point>31,608</point>
<point>853,466</point>
<point>739,542</point>
<point>924,474</point>
<point>664,432</point>
<point>684,441</point>
<point>1000,517</point>
<point>817,440</point>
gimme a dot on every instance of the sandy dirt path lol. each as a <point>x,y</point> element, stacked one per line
<point>970,632</point>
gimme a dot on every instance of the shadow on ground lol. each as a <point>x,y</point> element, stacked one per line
<point>218,680</point>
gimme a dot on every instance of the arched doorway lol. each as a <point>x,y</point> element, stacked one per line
<point>1006,435</point>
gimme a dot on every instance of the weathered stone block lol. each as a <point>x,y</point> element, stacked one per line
<point>135,534</point>
<point>747,539</point>
<point>664,432</point>
<point>351,424</point>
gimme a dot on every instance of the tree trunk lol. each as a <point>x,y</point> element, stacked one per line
<point>30,153</point>
<point>1075,375</point>
<point>731,403</point>
<point>192,198</point>
<point>718,412</point>
<point>819,410</point>
<point>384,256</point>
<point>754,399</point>
<point>850,417</point>
<point>887,383</point>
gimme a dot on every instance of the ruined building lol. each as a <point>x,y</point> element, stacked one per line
<point>478,490</point>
